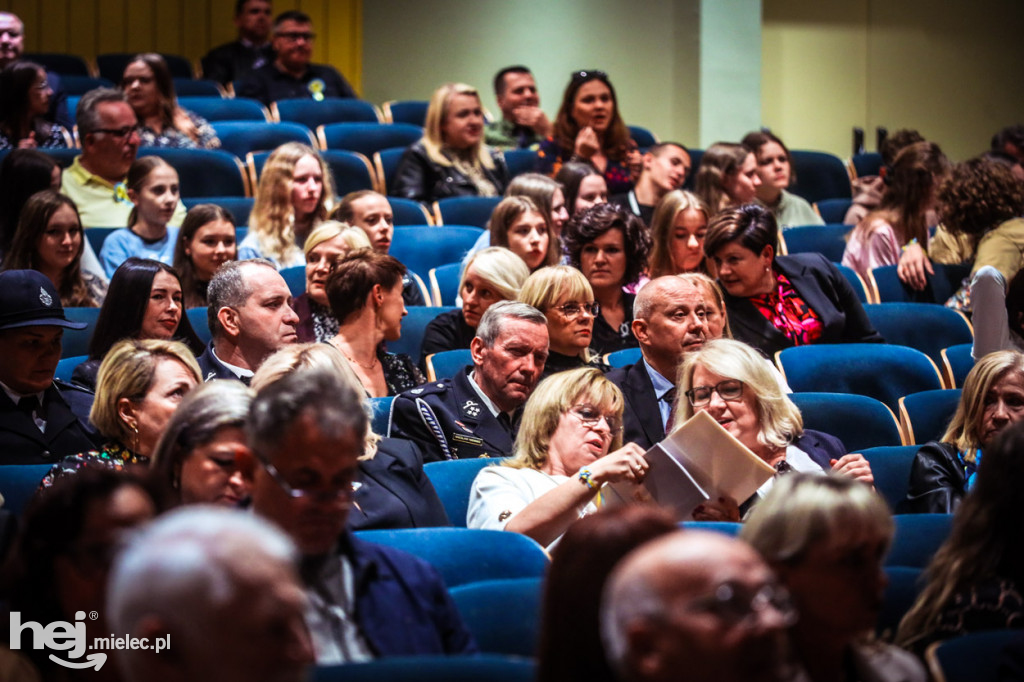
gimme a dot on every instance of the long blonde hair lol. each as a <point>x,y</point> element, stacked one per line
<point>437,112</point>
<point>273,217</point>
<point>964,427</point>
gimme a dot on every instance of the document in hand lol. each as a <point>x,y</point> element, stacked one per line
<point>698,461</point>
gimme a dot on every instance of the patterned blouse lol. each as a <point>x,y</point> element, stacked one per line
<point>175,139</point>
<point>789,313</point>
<point>56,140</point>
<point>112,456</point>
<point>400,372</point>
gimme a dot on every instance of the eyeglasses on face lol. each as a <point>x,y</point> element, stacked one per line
<point>296,36</point>
<point>573,309</point>
<point>730,389</point>
<point>591,417</point>
<point>120,133</point>
<point>735,604</point>
<point>344,492</point>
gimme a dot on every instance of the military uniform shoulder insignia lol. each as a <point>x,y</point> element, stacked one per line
<point>416,391</point>
<point>471,408</point>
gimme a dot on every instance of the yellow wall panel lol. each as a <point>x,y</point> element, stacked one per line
<point>185,27</point>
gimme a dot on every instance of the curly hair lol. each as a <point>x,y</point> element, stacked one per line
<point>978,196</point>
<point>583,228</point>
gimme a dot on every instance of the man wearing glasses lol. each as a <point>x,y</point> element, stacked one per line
<point>108,131</point>
<point>307,431</point>
<point>476,412</point>
<point>698,602</point>
<point>291,75</point>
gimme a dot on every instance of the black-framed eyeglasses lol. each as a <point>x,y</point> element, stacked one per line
<point>296,36</point>
<point>588,74</point>
<point>730,389</point>
<point>735,604</point>
<point>345,492</point>
<point>118,132</point>
<point>591,417</point>
<point>573,309</point>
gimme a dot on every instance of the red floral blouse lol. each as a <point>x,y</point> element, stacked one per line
<point>789,313</point>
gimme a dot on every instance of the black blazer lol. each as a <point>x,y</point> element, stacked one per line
<point>212,368</point>
<point>21,441</point>
<point>824,289</point>
<point>641,418</point>
<point>419,178</point>
<point>395,493</point>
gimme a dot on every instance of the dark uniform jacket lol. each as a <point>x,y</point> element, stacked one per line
<point>395,493</point>
<point>448,420</point>
<point>21,441</point>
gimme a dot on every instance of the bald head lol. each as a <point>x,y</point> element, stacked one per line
<point>684,602</point>
<point>669,320</point>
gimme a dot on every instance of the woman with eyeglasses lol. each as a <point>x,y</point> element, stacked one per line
<point>589,129</point>
<point>609,245</point>
<point>149,87</point>
<point>25,98</point>
<point>570,425</point>
<point>732,383</point>
<point>565,297</point>
<point>826,538</point>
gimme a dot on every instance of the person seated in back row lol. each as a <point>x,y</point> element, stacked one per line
<point>523,123</point>
<point>234,61</point>
<point>292,75</point>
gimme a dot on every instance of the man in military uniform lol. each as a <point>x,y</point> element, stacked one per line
<point>40,421</point>
<point>475,414</point>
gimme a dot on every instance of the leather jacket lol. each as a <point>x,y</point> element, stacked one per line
<point>421,179</point>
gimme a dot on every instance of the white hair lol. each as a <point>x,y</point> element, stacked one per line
<point>184,565</point>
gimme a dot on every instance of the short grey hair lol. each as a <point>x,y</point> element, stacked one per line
<point>493,320</point>
<point>228,289</point>
<point>86,117</point>
<point>185,565</point>
<point>204,411</point>
<point>317,392</point>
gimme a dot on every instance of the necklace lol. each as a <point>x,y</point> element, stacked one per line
<point>369,368</point>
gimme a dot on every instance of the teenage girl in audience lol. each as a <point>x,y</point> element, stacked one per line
<point>50,239</point>
<point>545,193</point>
<point>609,245</point>
<point>139,386</point>
<point>326,245</point>
<point>976,580</point>
<point>583,186</point>
<point>205,242</point>
<point>294,195</point>
<point>565,297</point>
<point>992,399</point>
<point>153,189</point>
<point>451,159</point>
<point>904,215</point>
<point>394,491</point>
<point>775,167</point>
<point>365,294</point>
<point>826,537</point>
<point>775,302</point>
<point>148,85</point>
<point>24,101</point>
<point>203,455</point>
<point>727,177</point>
<point>520,226</point>
<point>678,228</point>
<point>569,445</point>
<point>590,129</point>
<point>491,275</point>
<point>144,301</point>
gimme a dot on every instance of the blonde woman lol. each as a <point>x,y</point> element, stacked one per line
<point>570,425</point>
<point>295,194</point>
<point>328,243</point>
<point>678,228</point>
<point>565,297</point>
<point>451,160</point>
<point>491,275</point>
<point>394,492</point>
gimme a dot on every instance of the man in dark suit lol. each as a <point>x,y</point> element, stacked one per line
<point>233,61</point>
<point>475,413</point>
<point>38,422</point>
<point>250,317</point>
<point>669,321</point>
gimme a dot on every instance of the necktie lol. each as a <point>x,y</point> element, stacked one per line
<point>505,421</point>
<point>28,404</point>
<point>670,398</point>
